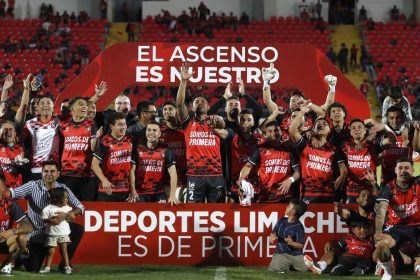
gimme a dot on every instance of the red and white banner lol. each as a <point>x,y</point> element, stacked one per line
<point>194,234</point>
<point>300,66</point>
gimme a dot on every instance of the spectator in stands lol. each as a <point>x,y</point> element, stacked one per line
<point>2,8</point>
<point>112,161</point>
<point>370,24</point>
<point>356,256</point>
<point>36,192</point>
<point>78,139</point>
<point>353,56</point>
<point>401,225</point>
<point>369,64</point>
<point>364,87</point>
<point>331,54</point>
<point>13,240</point>
<point>318,184</point>
<point>103,7</point>
<point>204,11</point>
<point>244,19</point>
<point>411,21</point>
<point>362,14</point>
<point>149,165</point>
<point>318,9</point>
<point>290,235</point>
<point>396,98</point>
<point>10,8</point>
<point>343,58</point>
<point>304,15</point>
<point>124,11</point>
<point>203,136</point>
<point>130,29</point>
<point>395,13</point>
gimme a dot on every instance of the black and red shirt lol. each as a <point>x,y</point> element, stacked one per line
<point>317,167</point>
<point>76,152</point>
<point>276,165</point>
<point>115,157</point>
<point>358,160</point>
<point>391,154</point>
<point>403,204</point>
<point>353,246</point>
<point>175,140</point>
<point>151,165</point>
<point>241,150</point>
<point>203,149</point>
<point>12,175</point>
<point>10,212</point>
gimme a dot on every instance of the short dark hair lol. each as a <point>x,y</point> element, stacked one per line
<point>116,116</point>
<point>337,105</point>
<point>49,96</point>
<point>169,102</point>
<point>233,97</point>
<point>152,121</point>
<point>272,123</point>
<point>2,178</point>
<point>359,221</point>
<point>299,206</point>
<point>321,119</point>
<point>405,159</point>
<point>74,99</point>
<point>50,162</point>
<point>245,111</point>
<point>356,120</point>
<point>57,195</point>
<point>395,92</point>
<point>143,106</point>
<point>200,95</point>
<point>393,109</point>
<point>297,92</point>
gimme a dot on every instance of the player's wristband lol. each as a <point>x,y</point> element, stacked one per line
<point>292,179</point>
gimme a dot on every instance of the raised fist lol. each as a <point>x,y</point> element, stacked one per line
<point>331,81</point>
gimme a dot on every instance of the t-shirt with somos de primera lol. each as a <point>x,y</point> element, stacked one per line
<point>62,228</point>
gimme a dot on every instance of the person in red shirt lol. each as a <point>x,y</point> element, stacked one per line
<point>243,143</point>
<point>398,208</point>
<point>203,135</point>
<point>174,138</point>
<point>112,161</point>
<point>78,139</point>
<point>277,165</point>
<point>149,164</point>
<point>12,156</point>
<point>354,249</point>
<point>318,159</point>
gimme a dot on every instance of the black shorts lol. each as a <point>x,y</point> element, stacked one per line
<point>84,188</point>
<point>4,249</point>
<point>114,197</point>
<point>158,197</point>
<point>403,233</point>
<point>200,187</point>
<point>351,265</point>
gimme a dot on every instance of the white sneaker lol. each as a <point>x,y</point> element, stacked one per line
<point>46,269</point>
<point>7,270</point>
<point>67,270</point>
<point>311,265</point>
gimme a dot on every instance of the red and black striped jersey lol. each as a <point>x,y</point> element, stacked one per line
<point>355,247</point>
<point>175,140</point>
<point>358,160</point>
<point>115,157</point>
<point>275,166</point>
<point>403,204</point>
<point>391,154</point>
<point>203,149</point>
<point>13,178</point>
<point>317,166</point>
<point>151,165</point>
<point>76,152</point>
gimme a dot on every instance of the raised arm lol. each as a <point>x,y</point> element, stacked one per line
<point>8,83</point>
<point>99,91</point>
<point>180,96</point>
<point>21,112</point>
<point>416,136</point>
<point>294,132</point>
<point>332,82</point>
<point>222,101</point>
<point>268,74</point>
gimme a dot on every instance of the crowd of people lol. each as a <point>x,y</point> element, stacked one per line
<point>218,154</point>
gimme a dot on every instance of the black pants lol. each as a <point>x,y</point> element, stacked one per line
<point>351,265</point>
<point>84,188</point>
<point>38,251</point>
